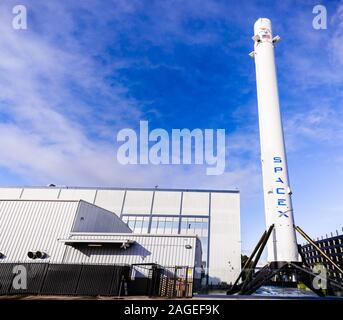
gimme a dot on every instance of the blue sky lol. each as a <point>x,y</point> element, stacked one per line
<point>85,69</point>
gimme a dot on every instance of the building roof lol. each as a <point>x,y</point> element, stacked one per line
<point>125,188</point>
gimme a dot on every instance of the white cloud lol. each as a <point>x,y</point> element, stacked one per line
<point>48,135</point>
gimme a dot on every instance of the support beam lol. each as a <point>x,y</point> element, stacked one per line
<point>250,259</point>
<point>254,264</point>
<point>306,237</point>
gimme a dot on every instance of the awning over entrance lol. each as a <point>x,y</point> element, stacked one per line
<point>123,244</point>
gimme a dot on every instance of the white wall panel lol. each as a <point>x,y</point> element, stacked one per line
<point>10,193</point>
<point>138,202</point>
<point>195,203</point>
<point>225,239</point>
<point>78,194</point>
<point>40,194</point>
<point>111,200</point>
<point>166,202</point>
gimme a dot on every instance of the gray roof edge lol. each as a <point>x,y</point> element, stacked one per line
<point>46,200</point>
<point>125,188</point>
<point>117,234</point>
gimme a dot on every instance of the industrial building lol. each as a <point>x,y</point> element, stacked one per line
<point>195,231</point>
<point>332,245</point>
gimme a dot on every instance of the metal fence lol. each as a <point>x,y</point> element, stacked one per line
<point>65,279</point>
<point>97,280</point>
<point>176,282</point>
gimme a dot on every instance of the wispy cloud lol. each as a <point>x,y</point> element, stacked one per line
<point>83,70</point>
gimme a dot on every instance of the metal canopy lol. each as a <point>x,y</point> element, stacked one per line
<point>124,244</point>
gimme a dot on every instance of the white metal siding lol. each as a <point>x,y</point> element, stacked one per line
<point>41,225</point>
<point>168,251</point>
<point>34,225</point>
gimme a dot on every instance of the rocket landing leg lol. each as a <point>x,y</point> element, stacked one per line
<point>287,274</point>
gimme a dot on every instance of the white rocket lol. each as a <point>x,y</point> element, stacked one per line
<point>282,245</point>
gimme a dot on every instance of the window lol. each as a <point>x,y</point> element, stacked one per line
<point>138,224</point>
<point>171,226</point>
<point>145,225</point>
<point>165,225</point>
<point>204,247</point>
<point>198,226</point>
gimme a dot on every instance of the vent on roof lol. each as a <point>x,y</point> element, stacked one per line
<point>36,254</point>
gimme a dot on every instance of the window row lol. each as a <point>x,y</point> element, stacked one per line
<point>168,225</point>
<point>327,251</point>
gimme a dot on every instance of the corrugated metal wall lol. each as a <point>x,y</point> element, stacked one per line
<point>163,250</point>
<point>41,225</point>
<point>35,225</point>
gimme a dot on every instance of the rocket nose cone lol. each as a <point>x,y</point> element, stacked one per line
<point>262,24</point>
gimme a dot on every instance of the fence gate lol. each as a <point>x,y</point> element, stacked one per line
<point>176,282</point>
<point>154,280</point>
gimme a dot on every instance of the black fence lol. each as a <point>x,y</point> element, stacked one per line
<point>95,280</point>
<point>63,279</point>
<point>175,282</point>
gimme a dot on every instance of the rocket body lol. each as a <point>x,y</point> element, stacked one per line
<point>282,244</point>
